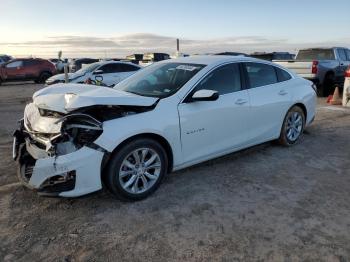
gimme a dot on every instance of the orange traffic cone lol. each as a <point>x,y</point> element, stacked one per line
<point>336,100</point>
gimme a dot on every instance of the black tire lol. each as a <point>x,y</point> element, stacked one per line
<point>112,177</point>
<point>0,81</point>
<point>285,138</point>
<point>43,77</point>
<point>327,87</point>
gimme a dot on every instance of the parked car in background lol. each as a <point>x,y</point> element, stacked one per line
<point>25,69</point>
<point>59,63</point>
<point>323,66</point>
<point>5,58</point>
<point>178,54</point>
<point>150,58</point>
<point>109,72</point>
<point>76,64</point>
<point>135,58</point>
<point>273,56</point>
<point>168,116</point>
<point>232,53</point>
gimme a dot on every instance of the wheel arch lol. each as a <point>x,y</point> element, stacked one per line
<point>46,71</point>
<point>299,104</point>
<point>327,74</point>
<point>158,138</point>
<point>302,106</point>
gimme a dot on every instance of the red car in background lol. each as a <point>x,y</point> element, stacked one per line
<point>25,69</point>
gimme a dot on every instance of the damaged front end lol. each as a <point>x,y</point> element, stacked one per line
<point>46,143</point>
<point>54,143</point>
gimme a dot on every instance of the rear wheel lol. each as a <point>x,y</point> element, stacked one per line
<point>328,85</point>
<point>293,126</point>
<point>43,77</point>
<point>136,170</point>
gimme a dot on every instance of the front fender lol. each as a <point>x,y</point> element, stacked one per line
<point>166,125</point>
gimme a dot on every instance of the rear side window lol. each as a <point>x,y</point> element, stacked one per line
<point>342,55</point>
<point>260,74</point>
<point>14,64</point>
<point>31,62</point>
<point>110,68</point>
<point>226,79</point>
<point>282,75</point>
<point>128,68</point>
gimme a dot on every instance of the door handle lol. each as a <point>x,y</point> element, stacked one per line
<point>240,101</point>
<point>282,93</point>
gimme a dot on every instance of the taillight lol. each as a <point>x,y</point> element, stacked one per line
<point>314,67</point>
<point>347,72</point>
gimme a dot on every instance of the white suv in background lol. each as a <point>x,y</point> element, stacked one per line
<point>109,72</point>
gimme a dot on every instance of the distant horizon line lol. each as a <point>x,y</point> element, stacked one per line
<point>119,46</point>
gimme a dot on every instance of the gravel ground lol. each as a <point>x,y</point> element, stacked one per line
<point>267,203</point>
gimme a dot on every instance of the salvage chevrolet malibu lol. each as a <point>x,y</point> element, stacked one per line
<point>173,114</point>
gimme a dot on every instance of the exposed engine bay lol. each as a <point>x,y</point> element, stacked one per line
<point>58,134</point>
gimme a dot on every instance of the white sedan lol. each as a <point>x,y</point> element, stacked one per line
<point>109,72</point>
<point>168,116</point>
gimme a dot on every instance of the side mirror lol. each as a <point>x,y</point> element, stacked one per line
<point>98,72</point>
<point>205,95</point>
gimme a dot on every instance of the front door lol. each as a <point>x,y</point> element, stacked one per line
<point>213,127</point>
<point>15,70</point>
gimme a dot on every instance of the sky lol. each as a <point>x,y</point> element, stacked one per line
<point>107,28</point>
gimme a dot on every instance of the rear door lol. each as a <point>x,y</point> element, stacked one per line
<point>269,98</point>
<point>31,68</point>
<point>212,127</point>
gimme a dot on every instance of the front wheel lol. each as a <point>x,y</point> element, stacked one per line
<point>293,126</point>
<point>328,85</point>
<point>136,170</point>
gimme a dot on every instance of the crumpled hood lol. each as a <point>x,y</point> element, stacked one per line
<point>64,98</point>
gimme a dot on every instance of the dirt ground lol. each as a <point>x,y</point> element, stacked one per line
<point>267,203</point>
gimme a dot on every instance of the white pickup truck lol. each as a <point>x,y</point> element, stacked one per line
<point>323,66</point>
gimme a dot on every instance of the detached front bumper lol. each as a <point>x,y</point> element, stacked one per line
<point>70,175</point>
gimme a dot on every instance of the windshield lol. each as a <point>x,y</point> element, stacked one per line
<point>88,69</point>
<point>315,54</point>
<point>159,80</point>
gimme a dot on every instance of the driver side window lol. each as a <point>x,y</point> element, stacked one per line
<point>225,79</point>
<point>14,64</point>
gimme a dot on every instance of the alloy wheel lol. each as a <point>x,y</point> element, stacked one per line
<point>140,170</point>
<point>294,126</point>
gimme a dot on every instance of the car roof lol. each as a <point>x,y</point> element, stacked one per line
<point>211,59</point>
<point>28,58</point>
<point>321,48</point>
<point>116,62</point>
<point>86,59</point>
